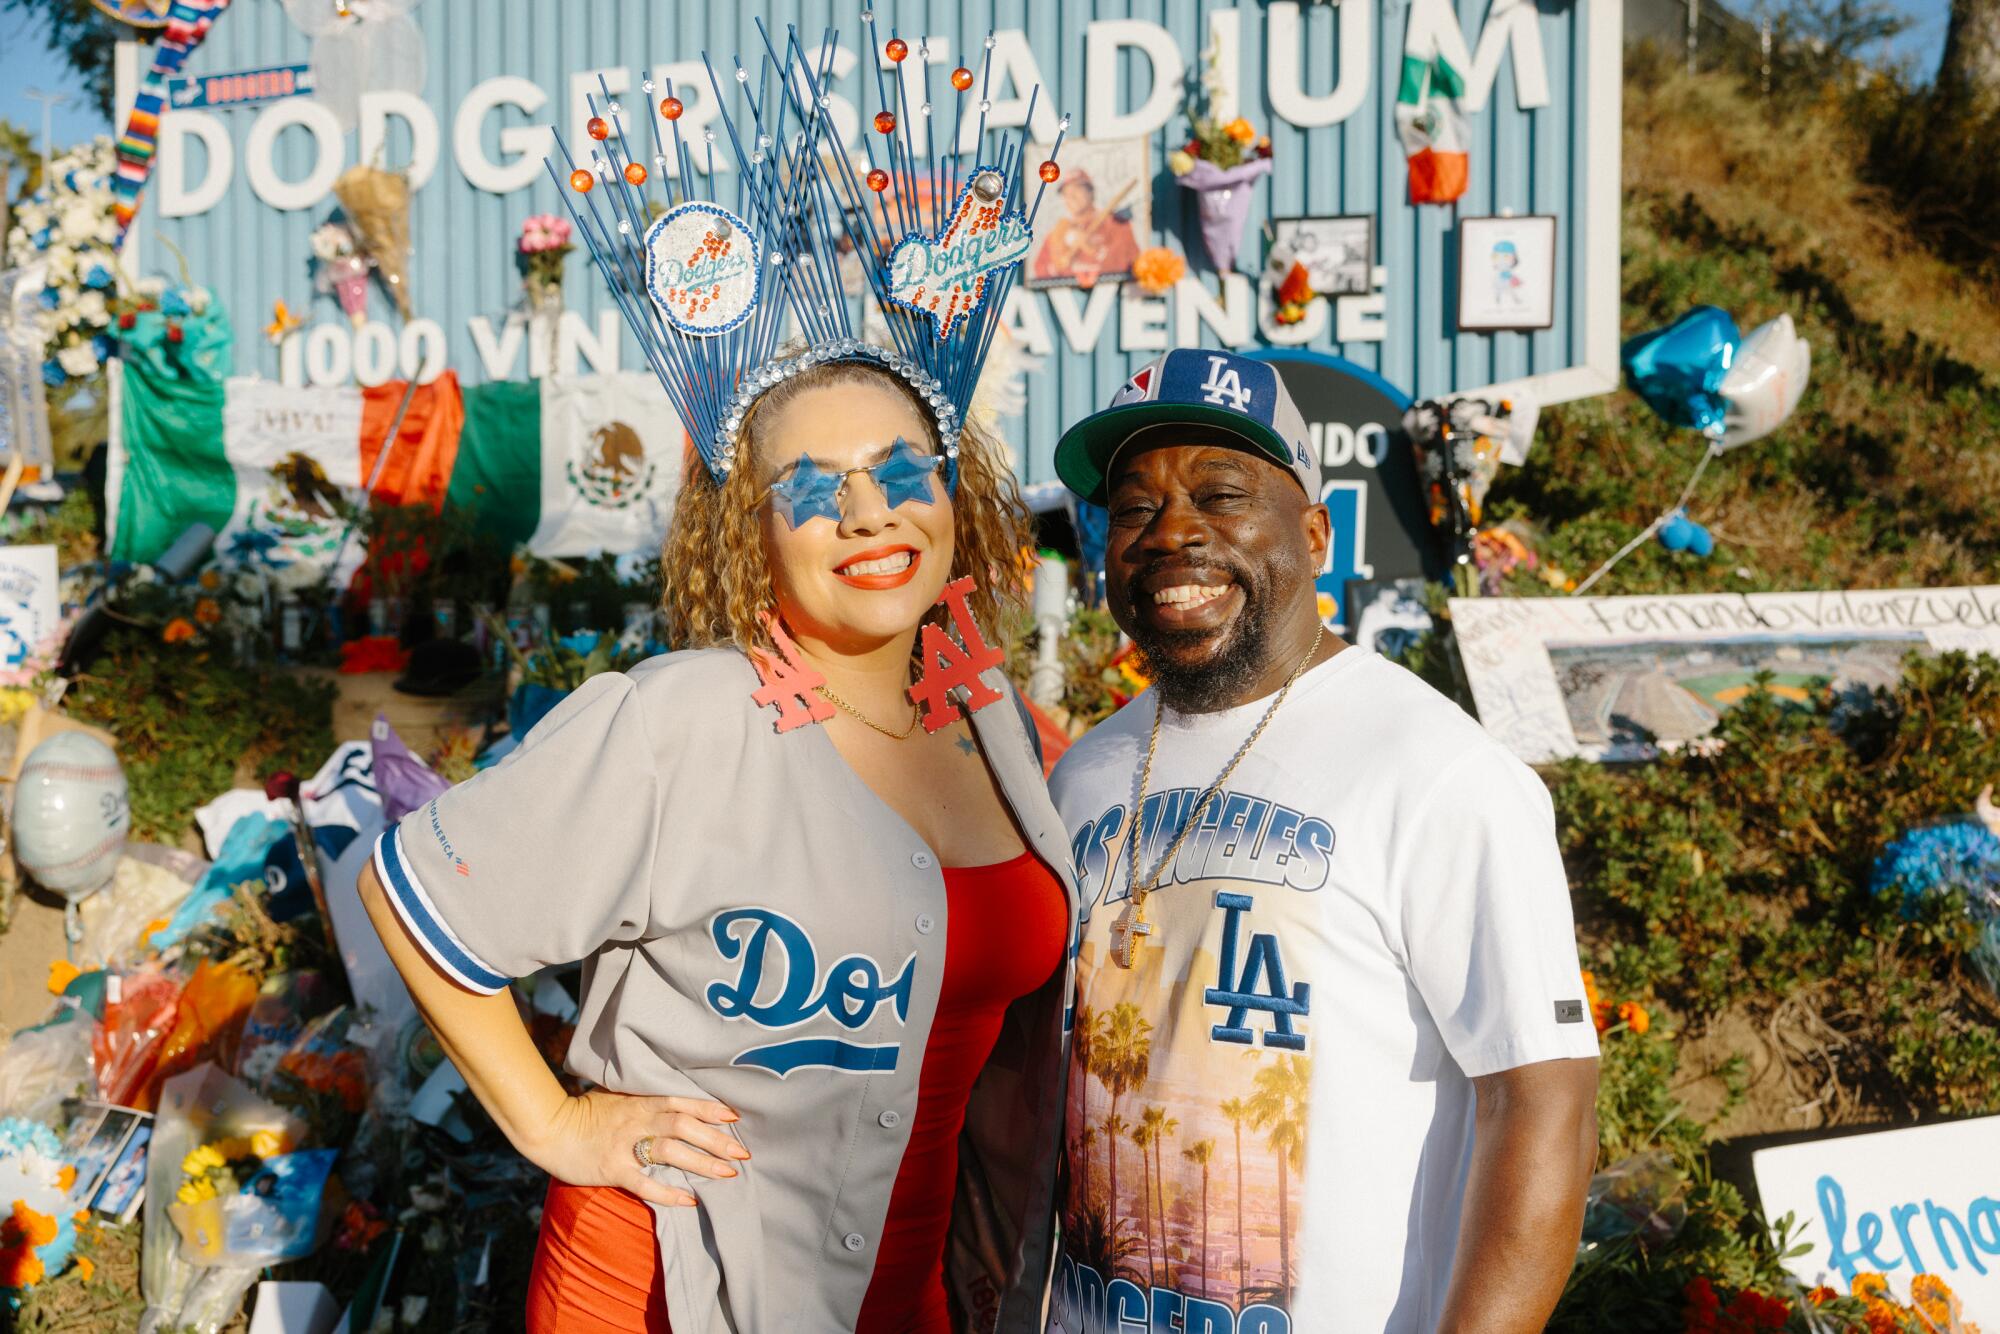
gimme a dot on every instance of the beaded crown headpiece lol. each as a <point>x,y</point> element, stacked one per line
<point>707,288</point>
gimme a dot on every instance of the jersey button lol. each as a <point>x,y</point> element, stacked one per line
<point>925,923</point>
<point>921,860</point>
<point>890,1119</point>
<point>853,1241</point>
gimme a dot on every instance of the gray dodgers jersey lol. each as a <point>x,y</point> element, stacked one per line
<point>760,928</point>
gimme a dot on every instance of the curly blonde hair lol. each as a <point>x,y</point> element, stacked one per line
<point>718,586</point>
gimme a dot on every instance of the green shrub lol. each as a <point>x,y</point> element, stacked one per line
<point>1737,876</point>
<point>191,725</point>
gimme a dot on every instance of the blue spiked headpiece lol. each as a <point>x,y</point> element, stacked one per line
<point>706,287</point>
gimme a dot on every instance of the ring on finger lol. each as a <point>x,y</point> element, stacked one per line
<point>642,1149</point>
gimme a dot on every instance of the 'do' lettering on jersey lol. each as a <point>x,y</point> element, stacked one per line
<point>777,955</point>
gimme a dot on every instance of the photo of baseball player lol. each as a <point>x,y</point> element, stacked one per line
<point>1088,229</point>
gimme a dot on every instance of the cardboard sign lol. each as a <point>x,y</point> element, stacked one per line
<point>1901,1203</point>
<point>1624,678</point>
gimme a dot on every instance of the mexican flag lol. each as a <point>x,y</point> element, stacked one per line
<point>568,467</point>
<point>1428,120</point>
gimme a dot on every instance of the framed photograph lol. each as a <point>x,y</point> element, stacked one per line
<point>1339,253</point>
<point>1091,219</point>
<point>124,1186</point>
<point>1626,678</point>
<point>1387,616</point>
<point>1507,273</point>
<point>109,1128</point>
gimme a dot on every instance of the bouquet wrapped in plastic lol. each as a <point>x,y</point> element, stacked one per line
<point>226,1194</point>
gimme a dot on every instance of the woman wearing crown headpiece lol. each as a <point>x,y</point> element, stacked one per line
<point>823,902</point>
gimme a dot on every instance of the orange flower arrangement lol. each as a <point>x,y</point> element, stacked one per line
<point>1932,1308</point>
<point>20,1234</point>
<point>1604,1013</point>
<point>1157,270</point>
<point>359,1226</point>
<point>178,630</point>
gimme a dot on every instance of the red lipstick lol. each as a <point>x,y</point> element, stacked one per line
<point>876,583</point>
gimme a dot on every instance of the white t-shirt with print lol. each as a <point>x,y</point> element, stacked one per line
<point>1371,913</point>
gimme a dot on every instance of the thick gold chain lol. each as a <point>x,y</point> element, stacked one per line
<point>1139,891</point>
<point>841,704</point>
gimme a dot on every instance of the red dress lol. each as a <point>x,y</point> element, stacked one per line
<point>597,1267</point>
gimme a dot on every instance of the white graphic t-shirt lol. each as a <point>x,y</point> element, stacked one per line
<point>1270,1114</point>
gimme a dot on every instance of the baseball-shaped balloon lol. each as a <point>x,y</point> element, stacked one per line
<point>71,814</point>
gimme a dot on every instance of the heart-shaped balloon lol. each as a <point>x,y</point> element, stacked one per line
<point>1764,385</point>
<point>1679,370</point>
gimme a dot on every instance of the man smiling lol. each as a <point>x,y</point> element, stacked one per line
<point>1333,1067</point>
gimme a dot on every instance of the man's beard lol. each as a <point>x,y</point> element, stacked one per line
<point>1219,680</point>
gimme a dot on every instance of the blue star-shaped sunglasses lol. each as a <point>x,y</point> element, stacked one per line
<point>810,492</point>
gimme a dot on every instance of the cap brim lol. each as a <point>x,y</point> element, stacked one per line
<point>1087,448</point>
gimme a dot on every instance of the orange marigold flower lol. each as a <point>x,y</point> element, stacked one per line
<point>1157,270</point>
<point>211,579</point>
<point>208,611</point>
<point>85,1270</point>
<point>1929,1287</point>
<point>33,1228</point>
<point>1590,987</point>
<point>1881,1318</point>
<point>67,1177</point>
<point>1633,1015</point>
<point>178,629</point>
<point>20,1267</point>
<point>1821,1295</point>
<point>1241,130</point>
<point>1868,1286</point>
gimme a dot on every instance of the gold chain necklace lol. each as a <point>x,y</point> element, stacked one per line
<point>1131,924</point>
<point>839,703</point>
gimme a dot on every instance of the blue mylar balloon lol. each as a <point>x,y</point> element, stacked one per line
<point>1678,370</point>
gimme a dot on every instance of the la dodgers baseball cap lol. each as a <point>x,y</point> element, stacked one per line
<point>1201,386</point>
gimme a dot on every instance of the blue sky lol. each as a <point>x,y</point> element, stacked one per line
<point>25,63</point>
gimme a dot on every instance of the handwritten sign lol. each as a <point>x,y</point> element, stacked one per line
<point>1901,1203</point>
<point>30,606</point>
<point>1623,678</point>
<point>703,268</point>
<point>946,278</point>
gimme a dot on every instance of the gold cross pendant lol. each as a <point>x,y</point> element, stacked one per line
<point>1125,932</point>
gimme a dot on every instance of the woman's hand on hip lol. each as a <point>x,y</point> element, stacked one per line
<point>593,1139</point>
